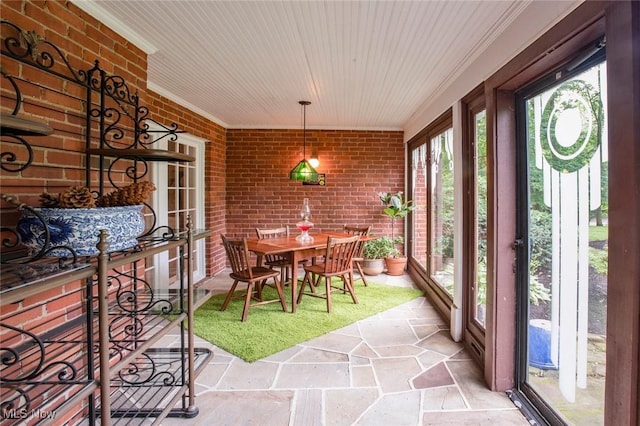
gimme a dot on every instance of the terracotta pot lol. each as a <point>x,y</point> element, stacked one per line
<point>395,265</point>
<point>372,266</point>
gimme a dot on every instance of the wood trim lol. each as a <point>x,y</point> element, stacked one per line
<point>437,126</point>
<point>501,214</point>
<point>441,300</point>
<point>556,46</point>
<point>472,103</point>
<point>623,293</point>
<point>620,21</point>
<point>553,49</point>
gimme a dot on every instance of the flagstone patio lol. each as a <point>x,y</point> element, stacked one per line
<point>399,367</point>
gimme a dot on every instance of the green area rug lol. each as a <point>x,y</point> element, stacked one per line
<point>269,330</point>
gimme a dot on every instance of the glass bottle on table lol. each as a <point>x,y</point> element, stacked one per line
<point>305,224</point>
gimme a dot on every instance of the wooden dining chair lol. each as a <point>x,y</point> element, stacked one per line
<point>338,256</point>
<point>254,276</point>
<point>358,257</point>
<point>275,260</point>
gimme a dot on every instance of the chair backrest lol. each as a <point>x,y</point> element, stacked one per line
<point>238,255</point>
<point>272,233</point>
<point>362,231</point>
<point>340,252</point>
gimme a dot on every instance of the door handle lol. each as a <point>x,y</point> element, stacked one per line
<point>517,243</point>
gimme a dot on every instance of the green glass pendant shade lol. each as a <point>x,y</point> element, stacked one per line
<point>303,172</point>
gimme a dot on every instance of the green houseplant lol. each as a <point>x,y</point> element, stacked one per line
<point>375,251</point>
<point>395,207</point>
<point>384,249</point>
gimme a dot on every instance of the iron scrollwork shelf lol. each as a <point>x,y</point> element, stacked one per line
<point>118,127</point>
<point>45,367</point>
<point>157,378</point>
<point>117,319</point>
<point>148,380</point>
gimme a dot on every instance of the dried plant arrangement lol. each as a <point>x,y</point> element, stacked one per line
<point>81,197</point>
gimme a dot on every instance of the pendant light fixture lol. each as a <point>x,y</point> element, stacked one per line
<point>303,171</point>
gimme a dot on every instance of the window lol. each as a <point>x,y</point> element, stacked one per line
<point>479,244</point>
<point>441,195</point>
<point>431,226</point>
<point>475,203</point>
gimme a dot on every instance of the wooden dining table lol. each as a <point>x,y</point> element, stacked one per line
<point>294,250</point>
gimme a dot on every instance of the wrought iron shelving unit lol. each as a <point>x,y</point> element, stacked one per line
<point>81,337</point>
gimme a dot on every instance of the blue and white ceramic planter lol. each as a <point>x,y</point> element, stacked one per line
<point>80,229</point>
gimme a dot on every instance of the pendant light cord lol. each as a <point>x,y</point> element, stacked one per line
<point>304,127</point>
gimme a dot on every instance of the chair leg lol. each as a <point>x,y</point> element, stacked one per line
<point>305,280</point>
<point>328,286</point>
<point>229,295</point>
<point>364,280</point>
<point>247,301</point>
<point>280,294</point>
<point>316,282</point>
<point>349,284</point>
<point>259,288</point>
<point>344,288</point>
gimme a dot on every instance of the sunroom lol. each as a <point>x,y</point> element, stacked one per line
<point>512,127</point>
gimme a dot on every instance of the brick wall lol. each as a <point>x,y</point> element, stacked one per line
<point>357,164</point>
<point>246,175</point>
<point>58,161</point>
<point>246,171</point>
<point>58,158</point>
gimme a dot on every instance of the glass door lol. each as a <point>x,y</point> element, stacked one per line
<point>181,190</point>
<point>562,269</point>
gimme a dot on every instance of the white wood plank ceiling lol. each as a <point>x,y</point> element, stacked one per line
<point>362,64</point>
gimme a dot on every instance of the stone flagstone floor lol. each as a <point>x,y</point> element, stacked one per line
<point>399,367</point>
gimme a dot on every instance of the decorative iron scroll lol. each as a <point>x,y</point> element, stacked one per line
<point>12,238</point>
<point>31,48</point>
<point>134,295</point>
<point>149,137</point>
<point>32,355</point>
<point>115,121</point>
<point>16,400</point>
<point>34,370</point>
<point>8,160</point>
<point>146,370</point>
<point>133,311</point>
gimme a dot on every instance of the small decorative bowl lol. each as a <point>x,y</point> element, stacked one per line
<point>79,229</point>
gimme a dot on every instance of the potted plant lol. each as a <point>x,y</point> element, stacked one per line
<point>395,208</point>
<point>374,253</point>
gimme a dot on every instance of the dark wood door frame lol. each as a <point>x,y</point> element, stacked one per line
<point>622,404</point>
<point>620,22</point>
